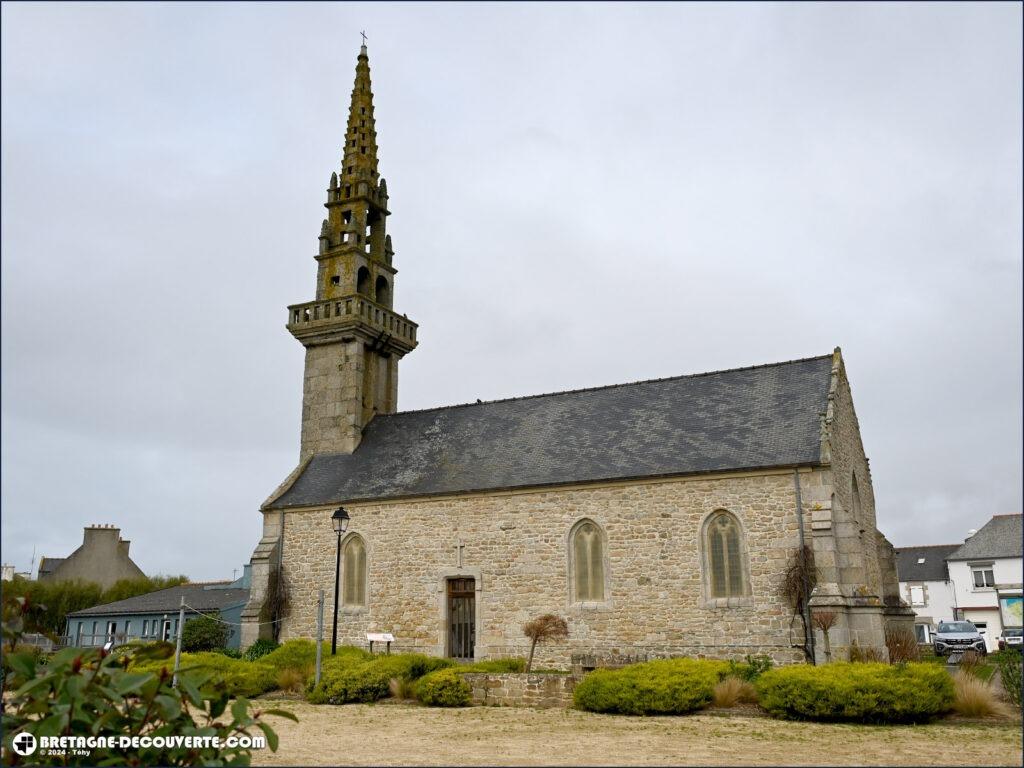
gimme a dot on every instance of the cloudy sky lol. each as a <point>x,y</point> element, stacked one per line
<point>581,195</point>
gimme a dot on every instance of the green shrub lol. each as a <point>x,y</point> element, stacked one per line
<point>259,649</point>
<point>301,653</point>
<point>90,693</point>
<point>751,668</point>
<point>240,677</point>
<point>495,666</point>
<point>350,679</point>
<point>859,692</point>
<point>231,653</point>
<point>443,688</point>
<point>1010,666</point>
<point>203,633</point>
<point>664,687</point>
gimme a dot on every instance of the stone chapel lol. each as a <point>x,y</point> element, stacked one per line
<point>658,517</point>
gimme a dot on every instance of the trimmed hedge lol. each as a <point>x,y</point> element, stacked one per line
<point>494,666</point>
<point>300,654</point>
<point>859,692</point>
<point>350,679</point>
<point>663,687</point>
<point>444,688</point>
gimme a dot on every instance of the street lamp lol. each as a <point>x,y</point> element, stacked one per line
<point>340,521</point>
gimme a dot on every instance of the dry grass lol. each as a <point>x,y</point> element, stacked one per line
<point>902,645</point>
<point>408,734</point>
<point>858,654</point>
<point>733,691</point>
<point>292,679</point>
<point>401,688</point>
<point>975,698</point>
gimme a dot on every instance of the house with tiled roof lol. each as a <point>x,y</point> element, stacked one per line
<point>155,615</point>
<point>987,572</point>
<point>659,517</point>
<point>926,587</point>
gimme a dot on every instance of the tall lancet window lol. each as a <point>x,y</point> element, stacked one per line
<point>723,543</point>
<point>587,543</point>
<point>353,555</point>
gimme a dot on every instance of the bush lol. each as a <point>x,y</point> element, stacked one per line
<point>975,698</point>
<point>751,668</point>
<point>443,688</point>
<point>231,653</point>
<point>495,666</point>
<point>664,687</point>
<point>353,680</point>
<point>240,677</point>
<point>1011,667</point>
<point>862,692</point>
<point>902,645</point>
<point>259,649</point>
<point>102,698</point>
<point>203,633</point>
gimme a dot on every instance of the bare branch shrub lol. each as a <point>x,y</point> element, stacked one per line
<point>798,582</point>
<point>902,645</point>
<point>546,627</point>
<point>825,620</point>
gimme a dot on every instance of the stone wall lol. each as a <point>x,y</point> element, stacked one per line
<point>522,690</point>
<point>515,544</point>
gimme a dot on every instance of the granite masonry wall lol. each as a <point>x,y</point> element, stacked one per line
<point>521,690</point>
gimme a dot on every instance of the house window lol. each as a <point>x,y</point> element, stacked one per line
<point>354,586</point>
<point>166,635</point>
<point>95,630</point>
<point>127,629</point>
<point>917,595</point>
<point>921,631</point>
<point>145,627</point>
<point>111,630</point>
<point>983,576</point>
<point>587,554</point>
<point>723,545</point>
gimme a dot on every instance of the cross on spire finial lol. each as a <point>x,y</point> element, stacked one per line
<point>363,33</point>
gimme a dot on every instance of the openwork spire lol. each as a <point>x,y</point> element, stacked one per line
<point>359,162</point>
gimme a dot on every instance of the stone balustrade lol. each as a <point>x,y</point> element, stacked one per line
<point>330,311</point>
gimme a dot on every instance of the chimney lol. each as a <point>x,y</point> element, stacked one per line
<point>971,533</point>
<point>101,535</point>
<point>122,547</point>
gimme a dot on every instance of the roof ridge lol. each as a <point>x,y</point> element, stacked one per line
<point>608,386</point>
<point>926,546</point>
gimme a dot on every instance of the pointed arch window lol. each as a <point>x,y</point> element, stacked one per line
<point>725,556</point>
<point>353,555</point>
<point>587,556</point>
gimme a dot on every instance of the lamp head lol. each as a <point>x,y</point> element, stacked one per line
<point>340,520</point>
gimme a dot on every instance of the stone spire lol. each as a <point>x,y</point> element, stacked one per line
<point>352,335</point>
<point>359,162</point>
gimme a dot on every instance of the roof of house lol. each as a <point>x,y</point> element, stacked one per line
<point>746,418</point>
<point>197,597</point>
<point>48,565</point>
<point>923,563</point>
<point>999,537</point>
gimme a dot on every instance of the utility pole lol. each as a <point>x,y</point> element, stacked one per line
<point>177,650</point>
<point>319,633</point>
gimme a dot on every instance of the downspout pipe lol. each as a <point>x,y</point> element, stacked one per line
<point>809,639</point>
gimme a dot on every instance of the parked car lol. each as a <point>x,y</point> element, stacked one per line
<point>1011,638</point>
<point>958,636</point>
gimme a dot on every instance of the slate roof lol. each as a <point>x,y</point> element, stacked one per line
<point>48,565</point>
<point>999,537</point>
<point>932,569</point>
<point>197,596</point>
<point>746,418</point>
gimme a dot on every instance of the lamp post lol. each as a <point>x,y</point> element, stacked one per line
<point>340,521</point>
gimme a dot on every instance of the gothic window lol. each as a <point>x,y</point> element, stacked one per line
<point>724,556</point>
<point>354,574</point>
<point>587,556</point>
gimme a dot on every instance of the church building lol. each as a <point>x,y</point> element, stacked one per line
<point>658,517</point>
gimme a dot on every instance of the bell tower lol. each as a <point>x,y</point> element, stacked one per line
<point>352,336</point>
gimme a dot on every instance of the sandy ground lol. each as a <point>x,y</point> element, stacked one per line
<point>406,734</point>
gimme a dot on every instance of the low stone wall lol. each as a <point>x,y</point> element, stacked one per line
<point>519,689</point>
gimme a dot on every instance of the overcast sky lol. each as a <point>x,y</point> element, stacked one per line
<point>581,195</point>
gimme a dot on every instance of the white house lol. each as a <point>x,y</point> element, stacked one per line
<point>925,586</point>
<point>987,573</point>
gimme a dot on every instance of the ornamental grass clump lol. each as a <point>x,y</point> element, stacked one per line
<point>732,691</point>
<point>975,698</point>
<point>863,692</point>
<point>663,687</point>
